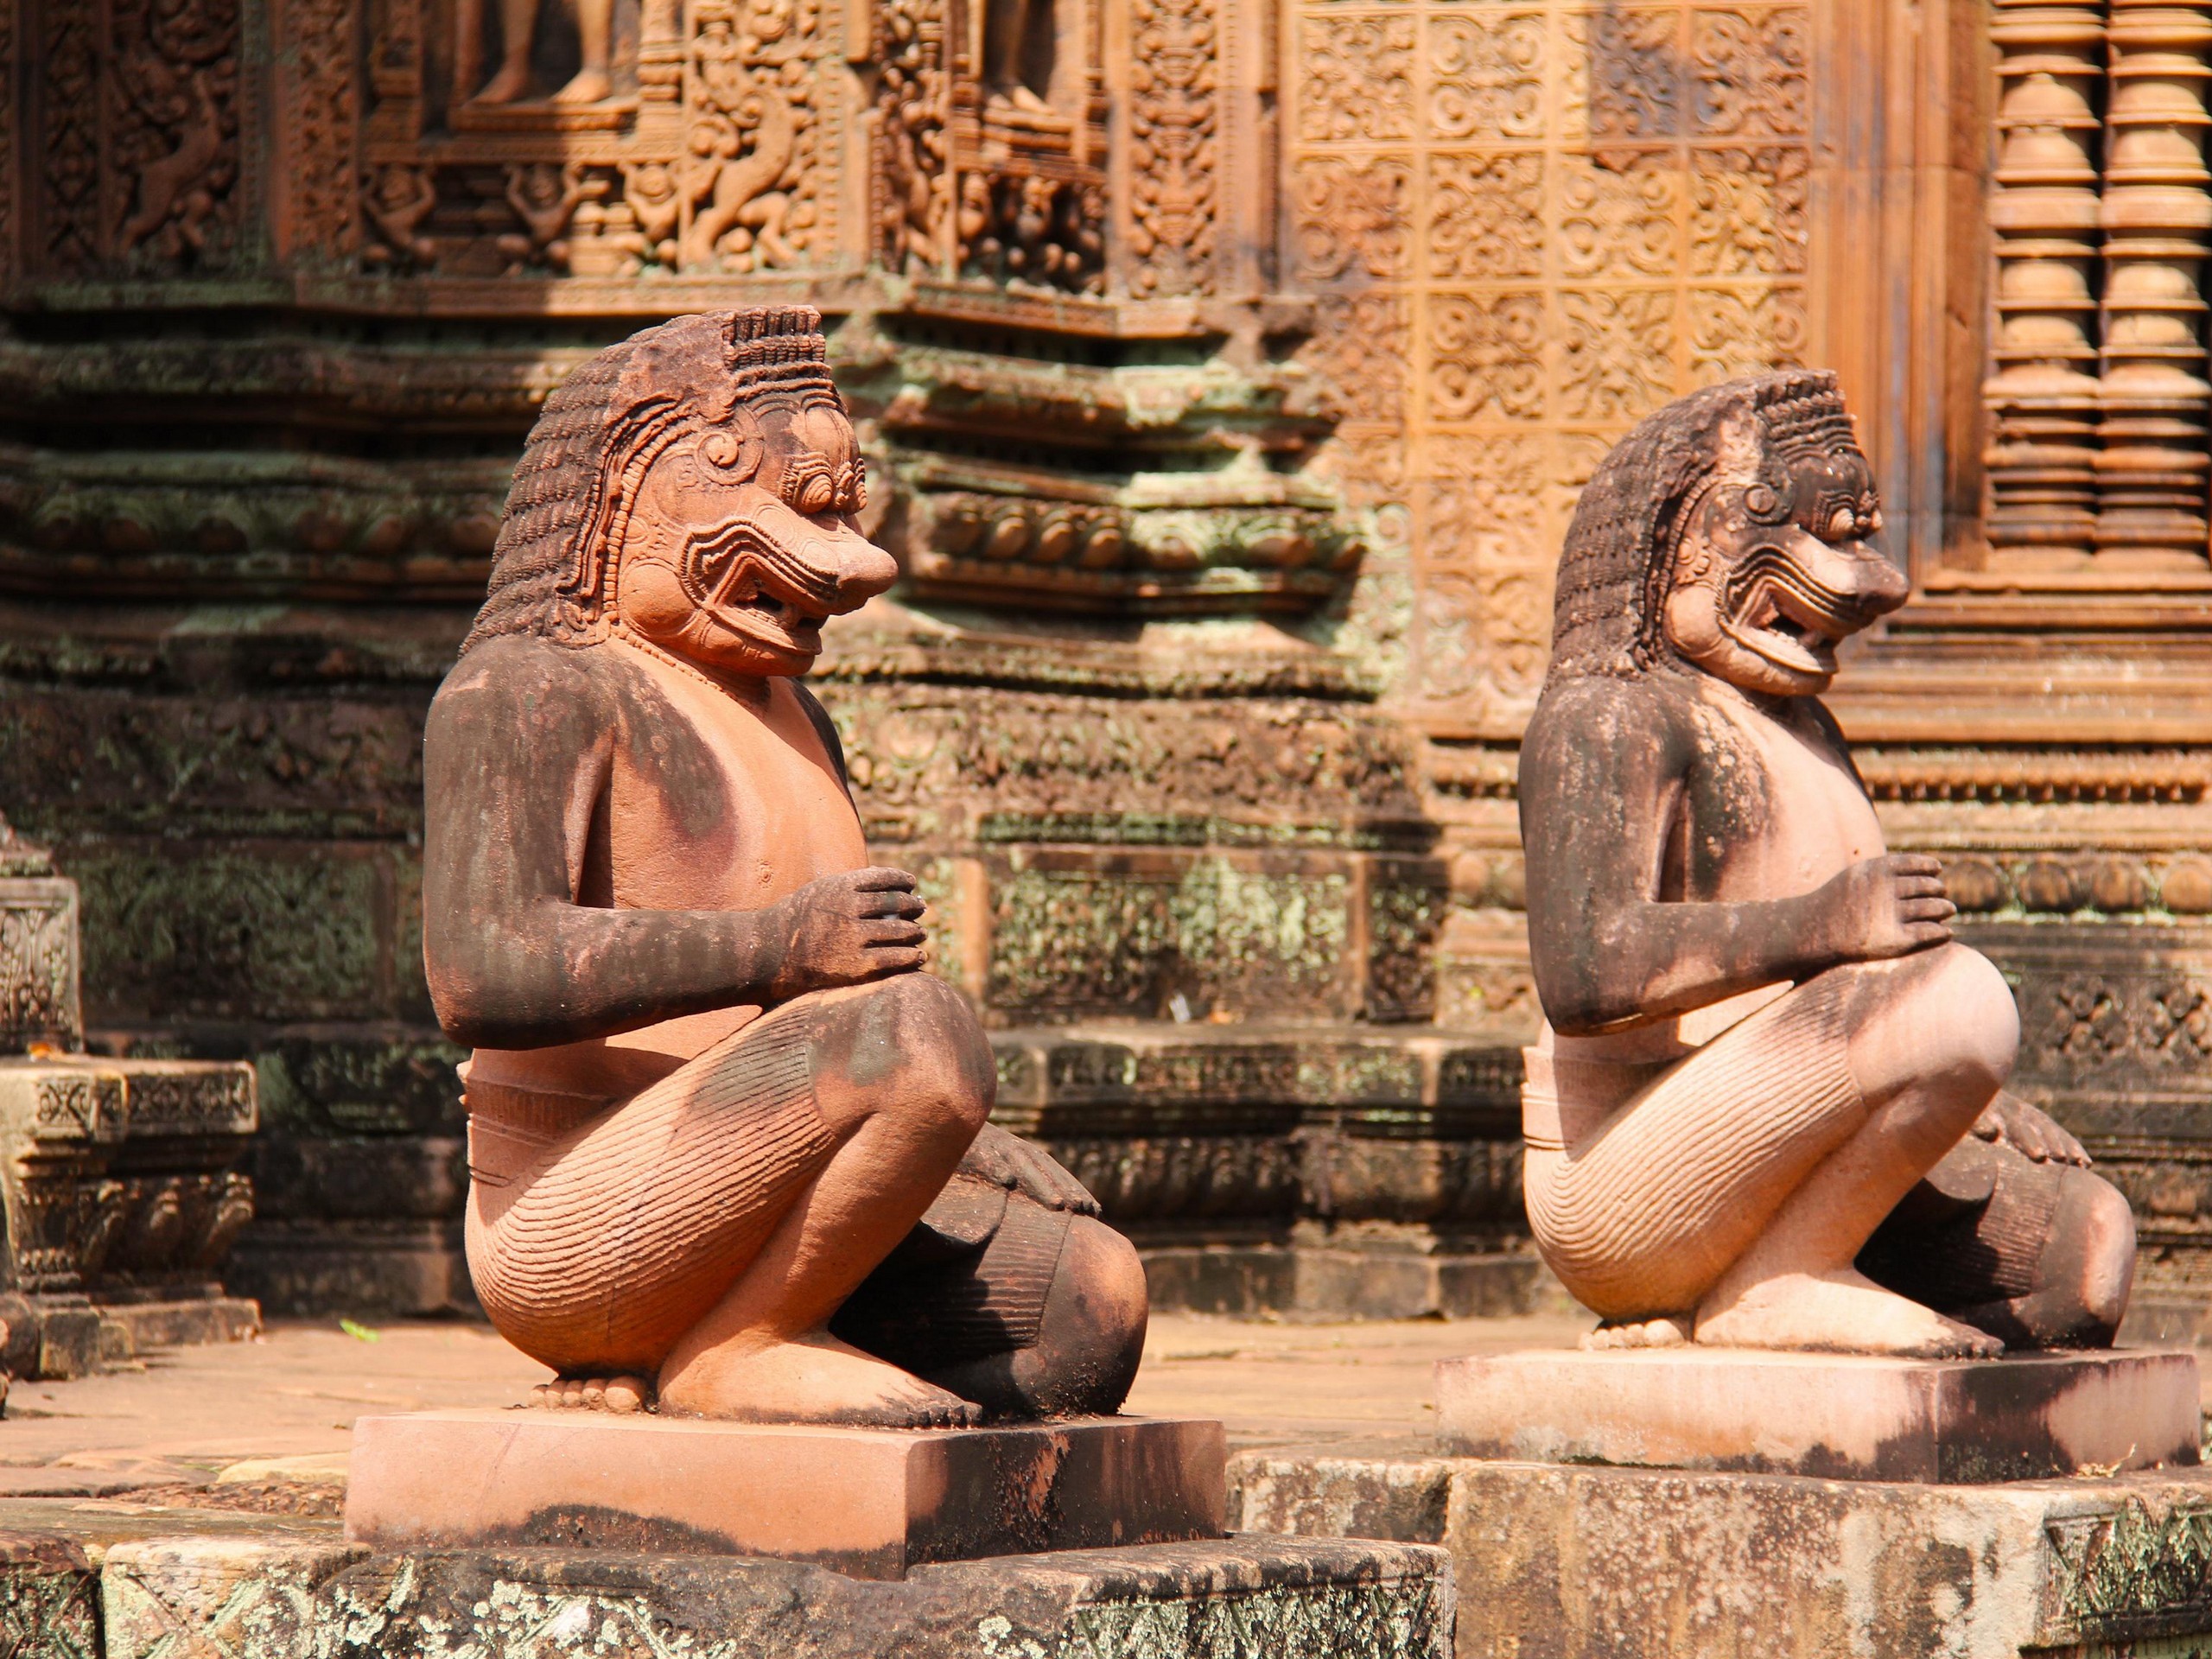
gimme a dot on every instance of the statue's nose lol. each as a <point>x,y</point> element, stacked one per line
<point>1881,586</point>
<point>862,568</point>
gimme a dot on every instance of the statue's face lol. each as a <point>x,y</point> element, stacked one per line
<point>745,538</point>
<point>1767,580</point>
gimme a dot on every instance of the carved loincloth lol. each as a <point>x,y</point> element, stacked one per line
<point>600,1231</point>
<point>1649,1173</point>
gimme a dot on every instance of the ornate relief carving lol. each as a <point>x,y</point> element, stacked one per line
<point>1486,216</point>
<point>172,130</point>
<point>1174,118</point>
<point>1621,218</point>
<point>1353,216</point>
<point>1487,78</point>
<point>69,173</point>
<point>721,162</point>
<point>1616,352</point>
<point>912,182</point>
<point>1747,71</point>
<point>1587,210</point>
<point>751,180</point>
<point>319,105</point>
<point>1357,81</point>
<point>1486,356</point>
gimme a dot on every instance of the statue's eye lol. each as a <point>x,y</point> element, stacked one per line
<point>1843,524</point>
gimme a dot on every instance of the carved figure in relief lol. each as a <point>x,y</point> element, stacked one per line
<point>722,1135</point>
<point>743,144</point>
<point>649,189</point>
<point>1767,1107</point>
<point>397,200</point>
<point>593,82</point>
<point>546,198</point>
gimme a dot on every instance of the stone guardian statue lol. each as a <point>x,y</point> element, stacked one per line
<point>1767,1108</point>
<point>726,1144</point>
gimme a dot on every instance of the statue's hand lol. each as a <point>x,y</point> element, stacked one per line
<point>2008,1120</point>
<point>1885,906</point>
<point>1006,1159</point>
<point>844,930</point>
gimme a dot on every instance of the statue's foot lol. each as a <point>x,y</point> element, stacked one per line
<point>1839,1312</point>
<point>811,1379</point>
<point>505,88</point>
<point>1671,1331</point>
<point>589,86</point>
<point>622,1395</point>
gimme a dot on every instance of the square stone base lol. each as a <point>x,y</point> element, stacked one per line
<point>870,1503</point>
<point>1848,1416</point>
<point>1584,1563</point>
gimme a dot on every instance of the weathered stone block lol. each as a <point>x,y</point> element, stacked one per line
<point>1591,1563</point>
<point>1852,1417</point>
<point>1236,1599</point>
<point>870,1502</point>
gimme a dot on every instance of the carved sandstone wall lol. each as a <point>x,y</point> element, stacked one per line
<point>1228,369</point>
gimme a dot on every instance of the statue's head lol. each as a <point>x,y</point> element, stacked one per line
<point>698,488</point>
<point>1727,533</point>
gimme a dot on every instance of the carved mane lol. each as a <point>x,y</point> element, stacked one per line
<point>600,432</point>
<point>1620,546</point>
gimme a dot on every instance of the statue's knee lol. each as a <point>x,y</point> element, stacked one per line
<point>1969,1017</point>
<point>914,1041</point>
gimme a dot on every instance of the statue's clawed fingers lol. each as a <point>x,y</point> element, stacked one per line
<point>1880,907</point>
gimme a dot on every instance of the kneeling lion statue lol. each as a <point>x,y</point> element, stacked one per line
<point>1768,1107</point>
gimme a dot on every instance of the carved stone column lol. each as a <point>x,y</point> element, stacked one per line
<point>2042,397</point>
<point>2157,217</point>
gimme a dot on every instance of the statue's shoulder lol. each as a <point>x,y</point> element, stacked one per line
<point>522,670</point>
<point>1604,710</point>
<point>526,665</point>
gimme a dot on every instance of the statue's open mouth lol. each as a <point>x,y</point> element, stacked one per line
<point>765,615</point>
<point>1787,629</point>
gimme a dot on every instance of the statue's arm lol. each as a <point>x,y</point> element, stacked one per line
<point>1603,770</point>
<point>516,759</point>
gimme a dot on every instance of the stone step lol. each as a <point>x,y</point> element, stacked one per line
<point>99,1581</point>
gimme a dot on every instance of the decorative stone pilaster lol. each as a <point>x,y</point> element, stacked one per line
<point>2043,396</point>
<point>2156,216</point>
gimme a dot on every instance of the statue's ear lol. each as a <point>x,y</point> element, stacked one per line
<point>733,448</point>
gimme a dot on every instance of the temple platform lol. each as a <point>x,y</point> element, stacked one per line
<point>1854,1417</point>
<point>870,1503</point>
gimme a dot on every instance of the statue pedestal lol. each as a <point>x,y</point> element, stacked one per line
<point>1846,1416</point>
<point>869,1503</point>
